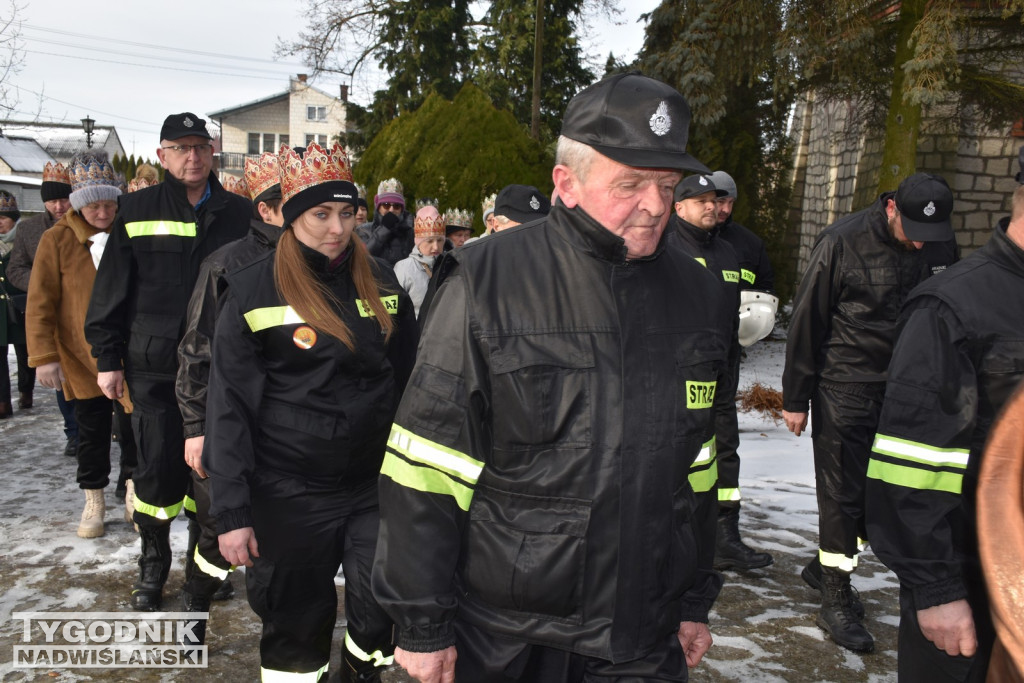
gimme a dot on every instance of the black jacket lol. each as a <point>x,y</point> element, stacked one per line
<point>203,307</point>
<point>844,314</point>
<point>149,267</point>
<point>392,243</point>
<point>536,476</point>
<point>959,356</point>
<point>285,403</point>
<point>755,268</point>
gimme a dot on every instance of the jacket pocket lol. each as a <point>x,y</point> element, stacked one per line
<point>527,553</point>
<point>159,259</point>
<point>696,389</point>
<point>547,379</point>
<point>153,343</point>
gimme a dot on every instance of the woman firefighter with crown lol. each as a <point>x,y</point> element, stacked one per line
<point>312,349</point>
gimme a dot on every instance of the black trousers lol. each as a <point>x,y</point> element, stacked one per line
<point>844,418</point>
<point>919,661</point>
<point>304,534</point>
<point>161,477</point>
<point>208,568</point>
<point>727,441</point>
<point>486,658</point>
<point>26,375</point>
<point>93,416</point>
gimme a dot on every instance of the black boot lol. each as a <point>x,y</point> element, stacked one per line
<point>837,617</point>
<point>225,591</point>
<point>356,671</point>
<point>811,574</point>
<point>197,634</point>
<point>730,551</point>
<point>154,565</point>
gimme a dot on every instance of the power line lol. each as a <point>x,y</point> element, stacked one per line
<point>153,66</point>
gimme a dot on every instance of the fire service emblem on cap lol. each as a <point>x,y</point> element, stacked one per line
<point>534,203</point>
<point>929,210</point>
<point>703,180</point>
<point>661,122</point>
<point>187,122</point>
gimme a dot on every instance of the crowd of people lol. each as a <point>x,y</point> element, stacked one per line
<point>520,448</point>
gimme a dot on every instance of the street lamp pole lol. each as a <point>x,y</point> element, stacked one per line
<point>87,126</point>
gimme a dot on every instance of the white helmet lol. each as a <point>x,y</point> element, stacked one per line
<point>757,315</point>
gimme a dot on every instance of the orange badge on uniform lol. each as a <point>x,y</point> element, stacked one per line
<point>304,337</point>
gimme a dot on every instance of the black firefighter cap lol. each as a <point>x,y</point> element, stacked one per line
<point>177,126</point>
<point>925,203</point>
<point>695,186</point>
<point>521,203</point>
<point>634,120</point>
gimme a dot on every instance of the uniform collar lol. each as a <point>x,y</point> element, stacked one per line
<point>581,229</point>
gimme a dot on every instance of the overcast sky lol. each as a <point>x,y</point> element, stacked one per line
<point>131,67</point>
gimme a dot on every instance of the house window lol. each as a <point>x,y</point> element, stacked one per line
<point>319,139</point>
<point>283,139</point>
<point>316,113</point>
<point>254,143</point>
<point>268,142</point>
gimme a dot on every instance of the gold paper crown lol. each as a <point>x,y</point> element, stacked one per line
<point>55,173</point>
<point>463,219</point>
<point>428,226</point>
<point>139,182</point>
<point>88,170</point>
<point>361,189</point>
<point>262,173</point>
<point>488,204</point>
<point>315,167</point>
<point>8,202</point>
<point>390,186</point>
<point>237,186</point>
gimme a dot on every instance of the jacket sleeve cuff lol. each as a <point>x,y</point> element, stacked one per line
<point>108,363</point>
<point>43,359</point>
<point>939,592</point>
<point>796,406</point>
<point>431,638</point>
<point>697,602</point>
<point>194,429</point>
<point>229,520</point>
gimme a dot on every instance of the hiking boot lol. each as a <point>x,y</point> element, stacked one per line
<point>730,550</point>
<point>811,574</point>
<point>91,525</point>
<point>837,617</point>
<point>154,565</point>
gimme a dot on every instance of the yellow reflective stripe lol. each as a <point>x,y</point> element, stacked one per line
<point>728,495</point>
<point>272,676</point>
<point>156,228</point>
<point>704,470</point>
<point>701,260</point>
<point>748,275</point>
<point>837,561</point>
<point>377,657</point>
<point>390,305</point>
<point>435,455</point>
<point>920,452</point>
<point>915,477</point>
<point>189,504</point>
<point>425,479</point>
<point>208,568</point>
<point>272,316</point>
<point>169,512</point>
<point>862,544</point>
<point>730,276</point>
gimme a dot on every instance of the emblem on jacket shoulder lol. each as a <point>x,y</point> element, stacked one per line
<point>304,337</point>
<point>661,122</point>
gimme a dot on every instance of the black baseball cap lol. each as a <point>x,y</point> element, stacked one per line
<point>521,203</point>
<point>177,126</point>
<point>634,120</point>
<point>696,185</point>
<point>925,203</point>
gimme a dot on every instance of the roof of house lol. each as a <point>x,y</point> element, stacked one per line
<point>23,154</point>
<point>62,140</point>
<point>255,104</point>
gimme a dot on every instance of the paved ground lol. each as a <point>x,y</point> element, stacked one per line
<point>763,622</point>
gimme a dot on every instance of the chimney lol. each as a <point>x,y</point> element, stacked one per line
<point>344,92</point>
<point>302,78</point>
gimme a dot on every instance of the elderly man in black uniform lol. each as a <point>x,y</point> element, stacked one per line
<point>536,512</point>
<point>137,317</point>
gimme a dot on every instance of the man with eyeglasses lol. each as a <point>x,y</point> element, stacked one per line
<point>137,316</point>
<point>390,235</point>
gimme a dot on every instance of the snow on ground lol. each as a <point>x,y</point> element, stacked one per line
<point>763,623</point>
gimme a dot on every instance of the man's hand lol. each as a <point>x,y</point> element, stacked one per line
<point>795,422</point>
<point>50,375</point>
<point>950,627</point>
<point>695,638</point>
<point>428,667</point>
<point>237,546</point>
<point>111,384</point>
<point>194,454</point>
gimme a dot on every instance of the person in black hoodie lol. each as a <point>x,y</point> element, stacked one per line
<point>313,346</point>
